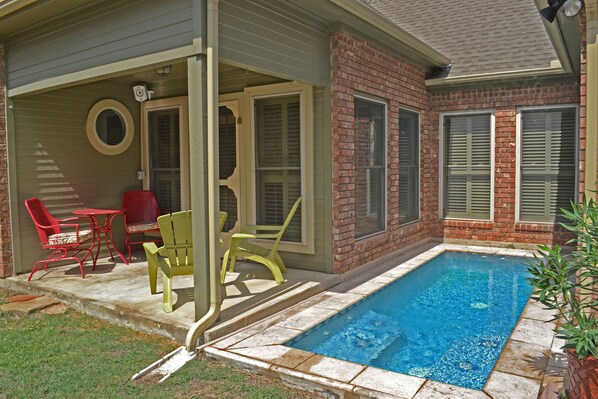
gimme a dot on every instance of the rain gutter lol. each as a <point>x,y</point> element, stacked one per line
<point>553,71</point>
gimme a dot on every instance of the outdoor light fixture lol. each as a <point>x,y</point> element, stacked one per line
<point>164,70</point>
<point>570,7</point>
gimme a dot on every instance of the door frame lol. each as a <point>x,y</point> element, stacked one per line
<point>182,104</point>
<point>235,180</point>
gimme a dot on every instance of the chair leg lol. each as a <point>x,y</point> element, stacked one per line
<point>233,262</point>
<point>223,268</point>
<point>273,266</point>
<point>35,268</point>
<point>81,268</point>
<point>152,271</point>
<point>280,262</point>
<point>167,293</point>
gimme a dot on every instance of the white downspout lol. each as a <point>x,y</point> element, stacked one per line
<point>213,225</point>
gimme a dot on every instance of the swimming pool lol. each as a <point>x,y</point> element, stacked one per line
<point>448,320</point>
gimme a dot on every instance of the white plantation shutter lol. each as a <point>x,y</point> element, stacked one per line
<point>278,161</point>
<point>370,167</point>
<point>165,170</point>
<point>467,166</point>
<point>547,171</point>
<point>408,166</point>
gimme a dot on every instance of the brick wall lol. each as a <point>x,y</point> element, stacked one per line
<point>6,265</point>
<point>504,102</point>
<point>359,67</point>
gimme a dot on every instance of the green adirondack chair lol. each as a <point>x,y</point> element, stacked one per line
<point>241,247</point>
<point>176,255</point>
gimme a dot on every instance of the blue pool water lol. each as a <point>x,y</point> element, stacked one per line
<point>448,320</point>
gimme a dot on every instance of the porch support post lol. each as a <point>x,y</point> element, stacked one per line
<point>198,162</point>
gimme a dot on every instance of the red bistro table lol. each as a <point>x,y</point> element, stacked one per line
<point>105,228</point>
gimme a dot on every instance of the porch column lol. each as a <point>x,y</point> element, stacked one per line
<point>198,162</point>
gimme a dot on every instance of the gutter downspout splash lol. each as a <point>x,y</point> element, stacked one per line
<point>212,105</point>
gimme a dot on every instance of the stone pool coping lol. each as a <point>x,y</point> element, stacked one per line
<point>530,359</point>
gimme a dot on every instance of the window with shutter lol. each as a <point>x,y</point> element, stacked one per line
<point>408,166</point>
<point>547,163</point>
<point>467,166</point>
<point>164,162</point>
<point>278,161</point>
<point>370,167</point>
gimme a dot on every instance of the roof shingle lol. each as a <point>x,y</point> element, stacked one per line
<point>478,36</point>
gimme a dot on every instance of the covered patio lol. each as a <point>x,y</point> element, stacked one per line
<point>120,294</point>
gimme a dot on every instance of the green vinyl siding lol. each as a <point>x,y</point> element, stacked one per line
<point>547,171</point>
<point>467,166</point>
<point>100,34</point>
<point>275,36</point>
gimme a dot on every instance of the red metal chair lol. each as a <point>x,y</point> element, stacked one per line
<point>140,210</point>
<point>62,236</point>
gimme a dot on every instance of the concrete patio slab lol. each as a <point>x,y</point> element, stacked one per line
<point>120,293</point>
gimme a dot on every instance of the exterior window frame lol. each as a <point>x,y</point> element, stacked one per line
<point>373,99</point>
<point>442,115</point>
<point>305,92</point>
<point>418,190</point>
<point>518,156</point>
<point>180,103</point>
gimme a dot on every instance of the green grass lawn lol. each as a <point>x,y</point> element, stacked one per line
<point>76,356</point>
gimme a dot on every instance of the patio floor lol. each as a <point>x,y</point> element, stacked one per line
<point>120,293</point>
<point>531,358</point>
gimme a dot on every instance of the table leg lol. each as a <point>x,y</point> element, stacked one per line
<point>110,241</point>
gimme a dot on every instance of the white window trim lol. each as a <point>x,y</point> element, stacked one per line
<point>442,115</point>
<point>419,163</point>
<point>182,104</point>
<point>373,99</point>
<point>518,154</point>
<point>305,92</point>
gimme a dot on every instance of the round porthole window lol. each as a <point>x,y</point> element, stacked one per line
<point>110,127</point>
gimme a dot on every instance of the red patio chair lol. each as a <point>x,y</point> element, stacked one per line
<point>140,213</point>
<point>63,237</point>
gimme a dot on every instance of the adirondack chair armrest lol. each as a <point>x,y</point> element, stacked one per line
<point>246,236</point>
<point>151,248</point>
<point>256,227</point>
